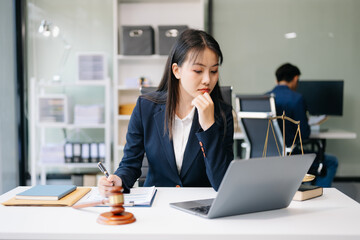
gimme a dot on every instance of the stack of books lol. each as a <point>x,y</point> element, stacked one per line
<point>46,192</point>
<point>306,192</point>
<point>48,195</point>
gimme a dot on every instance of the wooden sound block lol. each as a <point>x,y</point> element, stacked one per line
<point>109,218</point>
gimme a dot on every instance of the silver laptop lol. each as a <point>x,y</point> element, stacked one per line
<point>253,185</point>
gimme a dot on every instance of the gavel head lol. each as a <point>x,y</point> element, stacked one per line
<point>116,200</point>
<point>116,196</point>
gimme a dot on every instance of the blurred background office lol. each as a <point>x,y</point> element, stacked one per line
<point>319,36</point>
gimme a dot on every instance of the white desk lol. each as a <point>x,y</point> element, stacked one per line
<point>333,134</point>
<point>332,216</point>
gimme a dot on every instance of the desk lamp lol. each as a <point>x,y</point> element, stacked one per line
<point>47,29</point>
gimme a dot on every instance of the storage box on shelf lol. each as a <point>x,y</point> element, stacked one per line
<point>130,67</point>
<point>50,137</point>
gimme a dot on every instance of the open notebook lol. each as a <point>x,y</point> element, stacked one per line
<point>141,196</point>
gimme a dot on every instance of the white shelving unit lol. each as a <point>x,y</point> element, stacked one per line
<point>38,130</point>
<point>144,12</point>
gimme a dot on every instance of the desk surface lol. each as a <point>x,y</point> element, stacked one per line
<point>333,134</point>
<point>332,216</point>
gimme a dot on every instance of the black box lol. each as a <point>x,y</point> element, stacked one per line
<point>137,40</point>
<point>167,37</point>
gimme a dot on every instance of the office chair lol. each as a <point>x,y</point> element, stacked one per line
<point>253,113</point>
<point>144,90</point>
<point>226,92</point>
<point>145,163</point>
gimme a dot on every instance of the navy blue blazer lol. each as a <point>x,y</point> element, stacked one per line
<point>200,168</point>
<point>294,106</point>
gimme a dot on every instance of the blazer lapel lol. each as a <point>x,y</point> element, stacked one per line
<point>192,147</point>
<point>164,138</point>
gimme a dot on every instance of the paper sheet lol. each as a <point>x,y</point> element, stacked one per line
<point>141,196</point>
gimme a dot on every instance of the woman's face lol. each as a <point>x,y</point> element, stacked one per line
<point>197,76</point>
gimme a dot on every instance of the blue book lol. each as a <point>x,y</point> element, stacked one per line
<point>46,192</point>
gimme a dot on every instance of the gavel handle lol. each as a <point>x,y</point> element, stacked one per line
<point>91,204</point>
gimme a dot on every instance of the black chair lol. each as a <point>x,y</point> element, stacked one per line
<point>144,90</point>
<point>145,163</point>
<point>253,113</point>
<point>226,92</point>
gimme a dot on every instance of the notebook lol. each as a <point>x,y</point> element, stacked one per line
<point>253,185</point>
<point>46,192</point>
<point>68,200</point>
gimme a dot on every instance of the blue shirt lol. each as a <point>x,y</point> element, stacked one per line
<point>295,108</point>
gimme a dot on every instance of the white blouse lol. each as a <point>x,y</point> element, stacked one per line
<point>181,131</point>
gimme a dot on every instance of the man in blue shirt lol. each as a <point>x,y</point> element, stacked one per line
<point>288,100</point>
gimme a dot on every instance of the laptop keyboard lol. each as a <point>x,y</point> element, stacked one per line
<point>201,209</point>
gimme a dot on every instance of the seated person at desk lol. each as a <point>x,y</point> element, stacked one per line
<point>288,100</point>
<point>184,128</point>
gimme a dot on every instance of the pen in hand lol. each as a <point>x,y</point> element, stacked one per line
<point>103,170</point>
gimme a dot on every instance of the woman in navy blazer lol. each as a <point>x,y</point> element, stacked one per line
<point>189,89</point>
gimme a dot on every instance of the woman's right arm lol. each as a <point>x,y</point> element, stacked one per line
<point>129,169</point>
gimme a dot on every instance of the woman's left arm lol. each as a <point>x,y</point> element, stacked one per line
<point>218,148</point>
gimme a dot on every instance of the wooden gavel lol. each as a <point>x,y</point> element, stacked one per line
<point>117,215</point>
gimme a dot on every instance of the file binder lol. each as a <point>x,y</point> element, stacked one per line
<point>85,152</point>
<point>101,152</point>
<point>76,152</point>
<point>68,149</point>
<point>94,153</point>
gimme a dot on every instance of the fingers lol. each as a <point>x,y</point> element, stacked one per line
<point>203,101</point>
<point>207,96</point>
<point>106,184</point>
<point>205,107</point>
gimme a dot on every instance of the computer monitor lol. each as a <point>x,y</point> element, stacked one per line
<point>323,97</point>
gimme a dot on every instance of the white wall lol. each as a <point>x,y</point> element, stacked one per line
<point>8,132</point>
<point>251,35</point>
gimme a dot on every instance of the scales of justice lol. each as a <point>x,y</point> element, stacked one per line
<point>308,177</point>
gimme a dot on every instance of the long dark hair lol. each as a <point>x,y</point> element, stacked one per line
<point>194,41</point>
